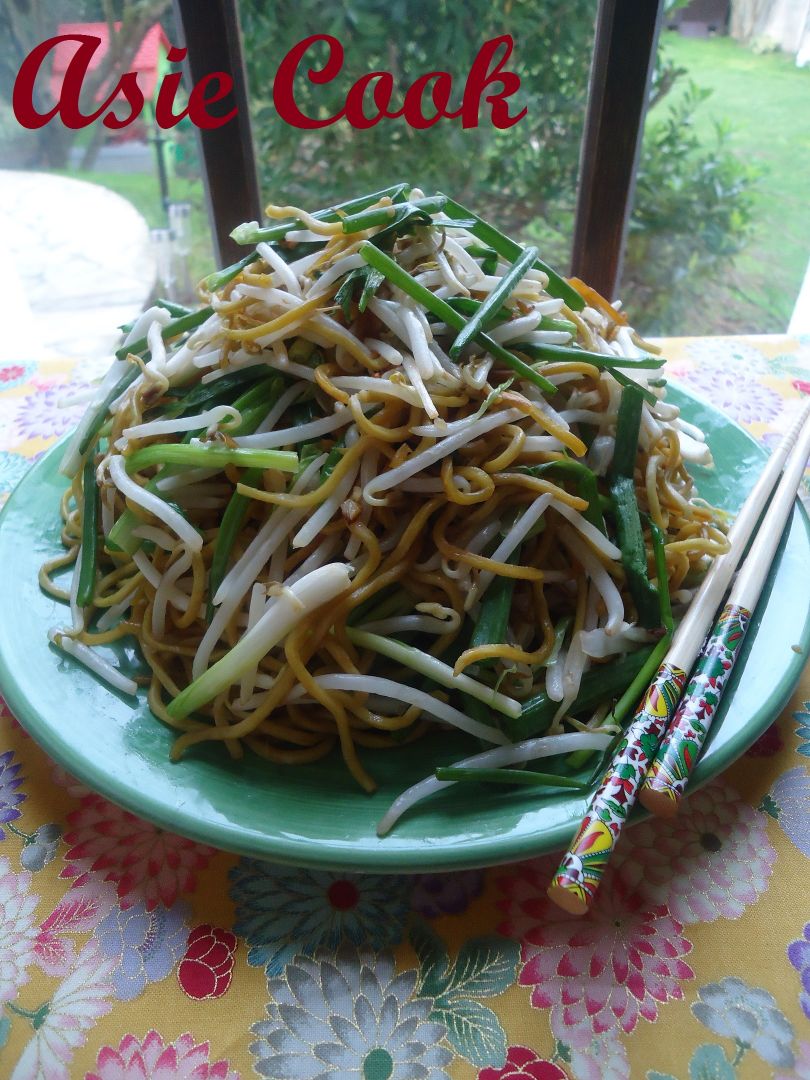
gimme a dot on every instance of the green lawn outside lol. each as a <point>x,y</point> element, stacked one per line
<point>766,100</point>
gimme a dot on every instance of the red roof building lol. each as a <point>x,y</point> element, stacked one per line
<point>146,62</point>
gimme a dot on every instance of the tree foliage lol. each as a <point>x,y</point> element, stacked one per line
<point>692,215</point>
<point>516,172</point>
<point>692,204</point>
<point>26,23</point>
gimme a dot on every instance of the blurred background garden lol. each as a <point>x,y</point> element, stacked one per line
<point>719,235</point>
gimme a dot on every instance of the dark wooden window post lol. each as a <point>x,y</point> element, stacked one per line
<point>212,35</point>
<point>624,54</point>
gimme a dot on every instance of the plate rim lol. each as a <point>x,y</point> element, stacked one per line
<point>299,851</point>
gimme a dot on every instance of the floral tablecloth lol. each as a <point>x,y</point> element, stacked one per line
<point>128,953</point>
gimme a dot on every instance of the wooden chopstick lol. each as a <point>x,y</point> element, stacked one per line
<point>668,776</point>
<point>580,872</point>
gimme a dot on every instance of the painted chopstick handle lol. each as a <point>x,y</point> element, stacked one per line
<point>579,875</point>
<point>680,748</point>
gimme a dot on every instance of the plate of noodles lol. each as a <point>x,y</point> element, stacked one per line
<point>364,563</point>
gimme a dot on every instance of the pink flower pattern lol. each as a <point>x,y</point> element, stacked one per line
<point>143,860</point>
<point>17,930</point>
<point>77,1003</point>
<point>746,400</point>
<point>712,861</point>
<point>522,1063</point>
<point>595,978</point>
<point>760,404</point>
<point>593,1057</point>
<point>609,969</point>
<point>79,911</point>
<point>152,1059</point>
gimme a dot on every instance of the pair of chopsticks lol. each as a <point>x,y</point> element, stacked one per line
<point>659,749</point>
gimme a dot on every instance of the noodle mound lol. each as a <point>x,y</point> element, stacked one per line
<point>397,473</point>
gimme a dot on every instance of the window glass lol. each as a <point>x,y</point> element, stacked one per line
<point>94,223</point>
<point>720,229</point>
<point>522,177</point>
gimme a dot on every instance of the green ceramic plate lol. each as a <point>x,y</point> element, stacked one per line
<point>315,816</point>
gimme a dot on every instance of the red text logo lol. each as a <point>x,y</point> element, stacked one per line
<point>211,88</point>
<point>367,102</point>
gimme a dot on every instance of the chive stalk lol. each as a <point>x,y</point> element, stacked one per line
<point>172,329</point>
<point>220,391</point>
<point>442,310</point>
<point>493,618</point>
<point>94,423</point>
<point>332,459</point>
<point>253,406</point>
<point>502,291</point>
<point>560,630</point>
<point>89,555</point>
<point>468,306</point>
<point>508,249</point>
<point>221,277</point>
<point>584,480</point>
<point>600,683</point>
<point>392,215</point>
<point>294,604</point>
<point>528,777</point>
<point>626,381</point>
<point>229,528</point>
<point>629,534</point>
<point>251,233</point>
<point>210,456</point>
<point>368,278</point>
<point>175,310</point>
<point>631,696</point>
<point>100,413</point>
<point>664,599</point>
<point>547,351</point>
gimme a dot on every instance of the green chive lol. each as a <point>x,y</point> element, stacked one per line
<point>629,699</point>
<point>456,774</point>
<point>210,456</point>
<point>250,233</point>
<point>171,330</point>
<point>508,249</point>
<point>626,381</point>
<point>493,618</point>
<point>442,310</point>
<point>502,291</point>
<point>601,683</point>
<point>229,528</point>
<point>253,406</point>
<point>584,480</point>
<point>629,535</point>
<point>89,554</point>
<point>219,391</point>
<point>393,215</point>
<point>547,351</point>
<point>664,599</point>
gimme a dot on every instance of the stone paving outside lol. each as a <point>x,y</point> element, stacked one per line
<point>75,262</point>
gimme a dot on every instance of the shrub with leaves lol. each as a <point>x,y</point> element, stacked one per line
<point>693,202</point>
<point>691,216</point>
<point>517,173</point>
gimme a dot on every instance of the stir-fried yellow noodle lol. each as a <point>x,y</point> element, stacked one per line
<point>327,527</point>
